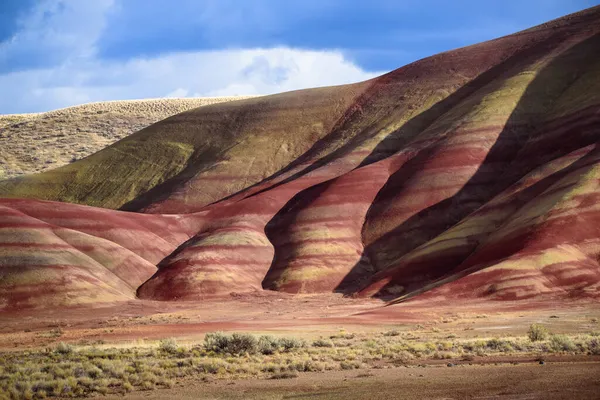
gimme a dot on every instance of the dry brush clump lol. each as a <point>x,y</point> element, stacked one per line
<point>243,343</point>
<point>67,371</point>
<point>537,332</point>
<point>32,143</point>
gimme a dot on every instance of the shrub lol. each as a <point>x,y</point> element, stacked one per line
<point>168,346</point>
<point>284,375</point>
<point>343,335</point>
<point>562,343</point>
<point>242,343</point>
<point>212,366</point>
<point>537,333</point>
<point>63,348</point>
<point>92,371</point>
<point>216,341</point>
<point>311,366</point>
<point>593,346</point>
<point>349,365</point>
<point>56,332</point>
<point>127,387</point>
<point>322,343</point>
<point>267,345</point>
<point>238,343</point>
<point>443,355</point>
<point>289,344</point>
<point>403,356</point>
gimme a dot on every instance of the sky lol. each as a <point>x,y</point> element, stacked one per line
<point>58,53</point>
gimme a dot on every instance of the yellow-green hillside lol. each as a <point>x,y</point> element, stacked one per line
<point>38,142</point>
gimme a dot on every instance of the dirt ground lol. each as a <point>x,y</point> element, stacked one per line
<point>579,380</point>
<point>304,316</point>
<point>143,323</point>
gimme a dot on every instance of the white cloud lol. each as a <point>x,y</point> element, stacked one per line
<point>211,73</point>
<point>52,62</point>
<point>55,30</point>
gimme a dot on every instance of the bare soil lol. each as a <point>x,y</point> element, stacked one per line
<point>560,380</point>
<point>141,323</point>
<point>304,316</point>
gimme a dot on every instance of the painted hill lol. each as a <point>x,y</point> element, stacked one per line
<point>470,174</point>
<point>37,142</point>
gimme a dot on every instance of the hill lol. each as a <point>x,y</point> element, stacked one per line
<point>37,142</point>
<point>469,174</point>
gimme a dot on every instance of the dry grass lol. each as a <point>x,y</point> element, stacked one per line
<point>32,143</point>
<point>66,370</point>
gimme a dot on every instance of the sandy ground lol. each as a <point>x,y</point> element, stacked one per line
<point>522,381</point>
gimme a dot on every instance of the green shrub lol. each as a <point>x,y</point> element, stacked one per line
<point>537,333</point>
<point>127,387</point>
<point>216,341</point>
<point>237,344</point>
<point>502,345</point>
<point>212,366</point>
<point>242,343</point>
<point>168,346</point>
<point>562,343</point>
<point>63,348</point>
<point>289,344</point>
<point>267,345</point>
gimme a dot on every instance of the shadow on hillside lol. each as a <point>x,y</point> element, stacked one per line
<point>362,108</point>
<point>493,176</point>
<point>276,229</point>
<point>462,266</point>
<point>394,142</point>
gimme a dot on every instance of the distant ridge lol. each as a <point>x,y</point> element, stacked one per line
<point>37,142</point>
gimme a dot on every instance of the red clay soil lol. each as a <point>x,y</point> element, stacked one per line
<point>306,316</point>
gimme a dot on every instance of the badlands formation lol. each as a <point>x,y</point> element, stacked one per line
<point>471,174</point>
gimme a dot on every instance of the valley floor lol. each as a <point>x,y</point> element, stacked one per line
<point>304,316</point>
<point>353,349</point>
<point>560,380</point>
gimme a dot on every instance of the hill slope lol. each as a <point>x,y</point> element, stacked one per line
<point>37,142</point>
<point>472,173</point>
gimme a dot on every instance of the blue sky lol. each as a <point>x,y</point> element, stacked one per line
<point>57,53</point>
